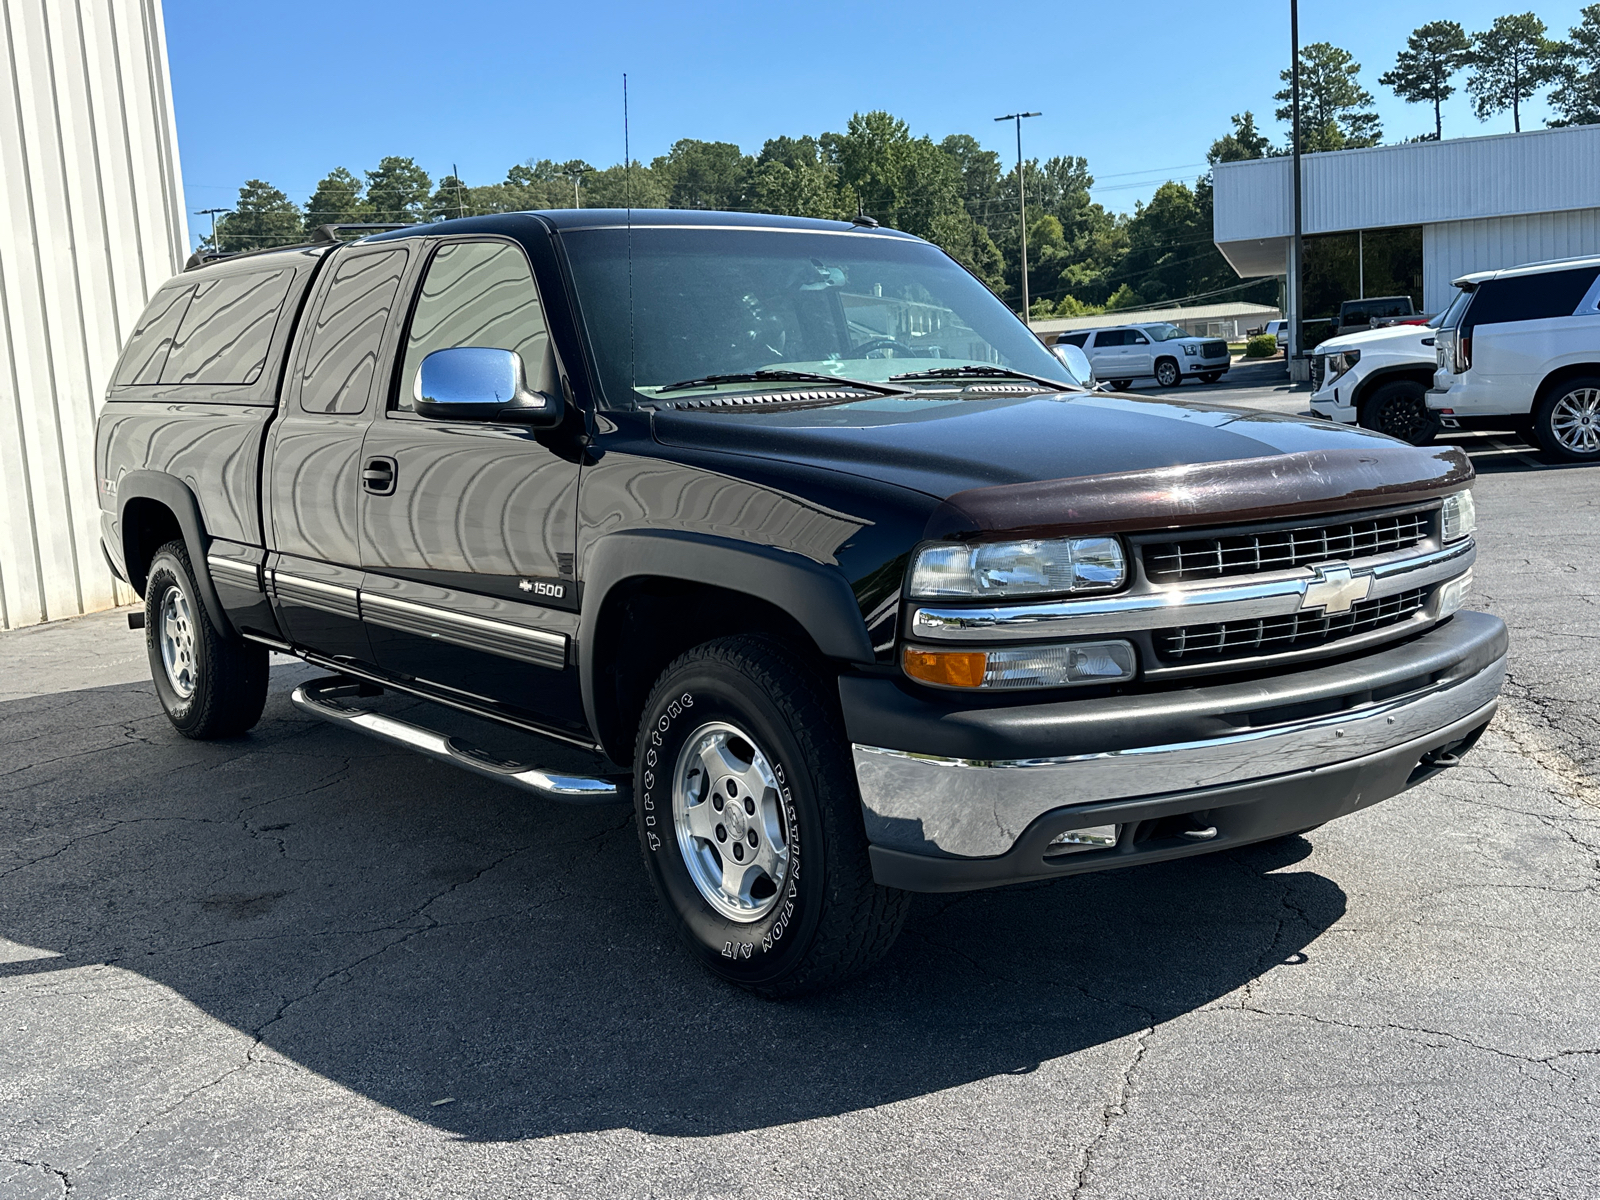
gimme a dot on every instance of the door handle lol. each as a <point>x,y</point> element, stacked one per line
<point>378,476</point>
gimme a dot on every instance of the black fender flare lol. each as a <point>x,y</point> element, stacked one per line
<point>1413,371</point>
<point>818,597</point>
<point>174,495</point>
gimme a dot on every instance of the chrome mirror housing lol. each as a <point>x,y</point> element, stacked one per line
<point>1076,362</point>
<point>475,383</point>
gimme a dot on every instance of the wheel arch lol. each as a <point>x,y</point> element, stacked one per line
<point>1155,365</point>
<point>1413,372</point>
<point>1560,376</point>
<point>153,507</point>
<point>650,595</point>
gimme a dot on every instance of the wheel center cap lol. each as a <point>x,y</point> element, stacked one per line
<point>733,816</point>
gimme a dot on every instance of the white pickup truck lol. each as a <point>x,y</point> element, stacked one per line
<point>1378,378</point>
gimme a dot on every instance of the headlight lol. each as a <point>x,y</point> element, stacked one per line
<point>1460,516</point>
<point>1023,666</point>
<point>1340,362</point>
<point>1191,351</point>
<point>1094,564</point>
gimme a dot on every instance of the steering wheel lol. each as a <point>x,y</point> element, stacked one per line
<point>883,343</point>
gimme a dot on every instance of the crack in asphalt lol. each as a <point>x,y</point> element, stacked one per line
<point>1113,1111</point>
<point>61,1176</point>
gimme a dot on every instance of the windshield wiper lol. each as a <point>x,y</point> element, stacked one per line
<point>981,372</point>
<point>782,377</point>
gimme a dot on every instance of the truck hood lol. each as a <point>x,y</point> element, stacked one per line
<point>942,447</point>
<point>1399,338</point>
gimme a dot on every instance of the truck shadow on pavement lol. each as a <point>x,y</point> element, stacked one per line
<point>415,934</point>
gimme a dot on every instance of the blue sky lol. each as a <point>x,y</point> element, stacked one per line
<point>1141,90</point>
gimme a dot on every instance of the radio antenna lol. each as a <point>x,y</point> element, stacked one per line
<point>627,190</point>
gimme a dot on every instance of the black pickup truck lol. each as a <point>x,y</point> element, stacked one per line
<point>842,578</point>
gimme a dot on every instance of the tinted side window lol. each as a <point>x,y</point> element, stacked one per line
<point>478,294</point>
<point>1111,337</point>
<point>225,334</point>
<point>346,338</point>
<point>1074,339</point>
<point>1528,297</point>
<point>146,352</point>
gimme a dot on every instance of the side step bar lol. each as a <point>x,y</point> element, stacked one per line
<point>321,698</point>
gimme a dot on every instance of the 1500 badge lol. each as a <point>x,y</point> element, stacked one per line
<point>539,587</point>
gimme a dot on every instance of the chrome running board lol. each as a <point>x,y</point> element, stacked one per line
<point>321,698</point>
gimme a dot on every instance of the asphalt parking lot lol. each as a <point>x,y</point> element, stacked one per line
<point>303,964</point>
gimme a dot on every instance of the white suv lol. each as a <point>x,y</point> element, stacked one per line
<point>1526,342</point>
<point>1130,352</point>
<point>1380,378</point>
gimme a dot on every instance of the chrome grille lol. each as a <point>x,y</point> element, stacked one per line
<point>1283,549</point>
<point>1274,635</point>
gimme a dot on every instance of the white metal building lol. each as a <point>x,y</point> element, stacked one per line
<point>91,223</point>
<point>1481,204</point>
<point>1232,320</point>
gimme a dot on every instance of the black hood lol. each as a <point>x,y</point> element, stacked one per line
<point>944,446</point>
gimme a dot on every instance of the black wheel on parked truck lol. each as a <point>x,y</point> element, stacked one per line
<point>1400,409</point>
<point>750,820</point>
<point>1566,422</point>
<point>211,686</point>
<point>1167,373</point>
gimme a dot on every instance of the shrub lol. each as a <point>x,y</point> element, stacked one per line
<point>1263,345</point>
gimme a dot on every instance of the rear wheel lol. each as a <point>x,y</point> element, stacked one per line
<point>1567,422</point>
<point>1400,409</point>
<point>211,686</point>
<point>1167,373</point>
<point>750,821</point>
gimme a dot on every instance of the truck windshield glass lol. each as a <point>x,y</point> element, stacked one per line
<point>1163,332</point>
<point>727,301</point>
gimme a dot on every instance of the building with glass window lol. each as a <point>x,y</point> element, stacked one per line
<point>1408,219</point>
<point>91,224</point>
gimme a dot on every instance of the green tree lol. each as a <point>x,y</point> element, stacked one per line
<point>705,174</point>
<point>1577,98</point>
<point>452,198</point>
<point>1245,142</point>
<point>398,191</point>
<point>1512,61</point>
<point>336,201</point>
<point>1423,70</point>
<point>1335,110</point>
<point>793,178</point>
<point>264,217</point>
<point>617,187</point>
<point>1123,298</point>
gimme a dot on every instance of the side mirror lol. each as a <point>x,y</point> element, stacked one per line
<point>473,383</point>
<point>1076,362</point>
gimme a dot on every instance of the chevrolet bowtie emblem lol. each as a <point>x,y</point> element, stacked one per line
<point>1334,590</point>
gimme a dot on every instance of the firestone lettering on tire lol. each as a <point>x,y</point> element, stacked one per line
<point>674,709</point>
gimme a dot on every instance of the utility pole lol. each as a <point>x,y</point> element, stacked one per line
<point>1296,291</point>
<point>212,213</point>
<point>461,200</point>
<point>1022,205</point>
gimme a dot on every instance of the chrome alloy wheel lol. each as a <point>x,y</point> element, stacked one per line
<point>1575,421</point>
<point>728,814</point>
<point>175,636</point>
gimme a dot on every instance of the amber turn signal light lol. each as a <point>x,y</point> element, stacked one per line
<point>947,668</point>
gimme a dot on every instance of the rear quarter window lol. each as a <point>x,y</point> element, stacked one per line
<point>145,356</point>
<point>1073,339</point>
<point>1528,297</point>
<point>225,334</point>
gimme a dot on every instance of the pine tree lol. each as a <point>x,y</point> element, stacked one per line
<point>1511,61</point>
<point>398,191</point>
<point>1577,98</point>
<point>263,218</point>
<point>1422,71</point>
<point>336,201</point>
<point>1245,142</point>
<point>1335,110</point>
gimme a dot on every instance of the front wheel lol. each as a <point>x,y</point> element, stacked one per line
<point>211,686</point>
<point>1401,410</point>
<point>1167,373</point>
<point>1567,422</point>
<point>750,821</point>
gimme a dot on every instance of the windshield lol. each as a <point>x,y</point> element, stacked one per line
<point>853,305</point>
<point>1163,332</point>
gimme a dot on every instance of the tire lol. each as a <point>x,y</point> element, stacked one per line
<point>1400,409</point>
<point>1210,376</point>
<point>1121,385</point>
<point>211,686</point>
<point>1167,373</point>
<point>1567,421</point>
<point>805,913</point>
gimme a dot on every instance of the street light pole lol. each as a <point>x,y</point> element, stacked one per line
<point>1022,207</point>
<point>212,213</point>
<point>1296,291</point>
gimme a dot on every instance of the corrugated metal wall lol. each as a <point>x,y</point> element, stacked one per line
<point>91,223</point>
<point>1415,183</point>
<point>1456,248</point>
